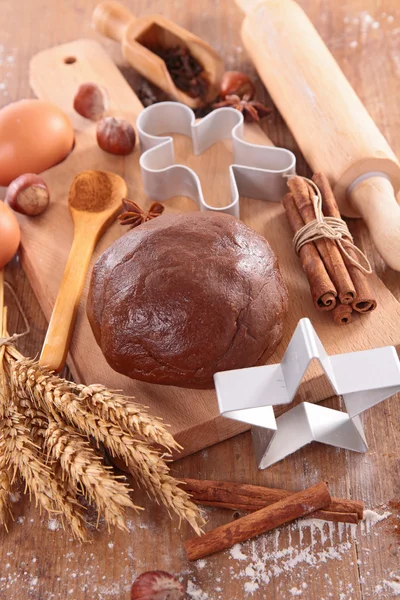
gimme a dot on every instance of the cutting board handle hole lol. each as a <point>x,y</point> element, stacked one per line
<point>70,60</point>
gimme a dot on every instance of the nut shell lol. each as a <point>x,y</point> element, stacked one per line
<point>236,83</point>
<point>116,136</point>
<point>91,101</point>
<point>28,194</point>
<point>157,585</point>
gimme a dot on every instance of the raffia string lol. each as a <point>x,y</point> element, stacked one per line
<point>6,341</point>
<point>331,228</point>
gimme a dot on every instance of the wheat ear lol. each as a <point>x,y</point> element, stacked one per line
<point>23,455</point>
<point>122,411</point>
<point>79,464</point>
<point>146,464</point>
<point>84,468</point>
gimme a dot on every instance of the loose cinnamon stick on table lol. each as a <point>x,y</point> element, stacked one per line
<point>342,314</point>
<point>265,519</point>
<point>323,291</point>
<point>238,495</point>
<point>324,515</point>
<point>328,249</point>
<point>364,301</point>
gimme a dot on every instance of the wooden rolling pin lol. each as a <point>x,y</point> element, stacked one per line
<point>332,127</point>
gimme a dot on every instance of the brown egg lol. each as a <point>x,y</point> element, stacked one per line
<point>9,234</point>
<point>34,136</point>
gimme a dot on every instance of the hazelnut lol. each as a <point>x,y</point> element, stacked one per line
<point>28,194</point>
<point>237,84</point>
<point>91,101</point>
<point>157,585</point>
<point>116,136</point>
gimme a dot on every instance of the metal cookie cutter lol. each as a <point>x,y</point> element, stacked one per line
<point>256,172</point>
<point>362,378</point>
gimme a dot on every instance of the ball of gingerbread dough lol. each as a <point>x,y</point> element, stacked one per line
<point>182,297</point>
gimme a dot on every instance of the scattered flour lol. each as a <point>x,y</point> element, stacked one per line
<point>309,544</point>
<point>194,592</point>
<point>394,586</point>
<point>371,518</point>
<point>250,587</point>
<point>54,525</point>
<point>7,62</point>
<point>334,540</point>
<point>236,552</point>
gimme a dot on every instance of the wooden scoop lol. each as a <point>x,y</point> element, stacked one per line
<point>115,21</point>
<point>94,200</point>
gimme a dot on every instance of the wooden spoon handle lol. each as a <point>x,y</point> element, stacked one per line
<point>112,19</point>
<point>59,332</point>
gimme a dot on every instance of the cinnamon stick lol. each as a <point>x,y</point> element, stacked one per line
<point>328,249</point>
<point>265,519</point>
<point>324,515</point>
<point>323,291</point>
<point>342,314</point>
<point>237,495</point>
<point>364,301</point>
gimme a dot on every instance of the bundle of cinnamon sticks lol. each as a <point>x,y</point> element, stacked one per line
<point>337,284</point>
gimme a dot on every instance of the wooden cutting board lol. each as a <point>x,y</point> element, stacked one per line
<point>55,75</point>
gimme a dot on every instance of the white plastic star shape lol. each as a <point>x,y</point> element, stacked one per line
<point>362,378</point>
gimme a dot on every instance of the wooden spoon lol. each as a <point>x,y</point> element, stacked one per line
<point>115,21</point>
<point>94,200</point>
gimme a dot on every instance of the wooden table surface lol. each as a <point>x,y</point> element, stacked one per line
<point>314,561</point>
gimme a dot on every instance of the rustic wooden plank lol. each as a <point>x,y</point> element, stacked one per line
<point>39,563</point>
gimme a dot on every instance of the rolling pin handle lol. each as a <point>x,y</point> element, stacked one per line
<point>112,19</point>
<point>375,201</point>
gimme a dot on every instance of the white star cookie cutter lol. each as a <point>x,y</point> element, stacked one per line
<point>362,378</point>
<point>257,171</point>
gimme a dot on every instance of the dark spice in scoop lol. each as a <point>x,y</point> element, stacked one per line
<point>187,73</point>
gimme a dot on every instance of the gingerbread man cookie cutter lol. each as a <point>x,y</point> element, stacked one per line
<point>256,172</point>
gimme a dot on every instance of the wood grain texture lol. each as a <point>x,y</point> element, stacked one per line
<point>38,563</point>
<point>265,519</point>
<point>192,414</point>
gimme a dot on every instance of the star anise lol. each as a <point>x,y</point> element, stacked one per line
<point>186,72</point>
<point>134,215</point>
<point>251,109</point>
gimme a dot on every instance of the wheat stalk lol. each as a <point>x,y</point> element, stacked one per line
<point>75,461</point>
<point>23,455</point>
<point>5,490</point>
<point>128,415</point>
<point>85,470</point>
<point>145,462</point>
